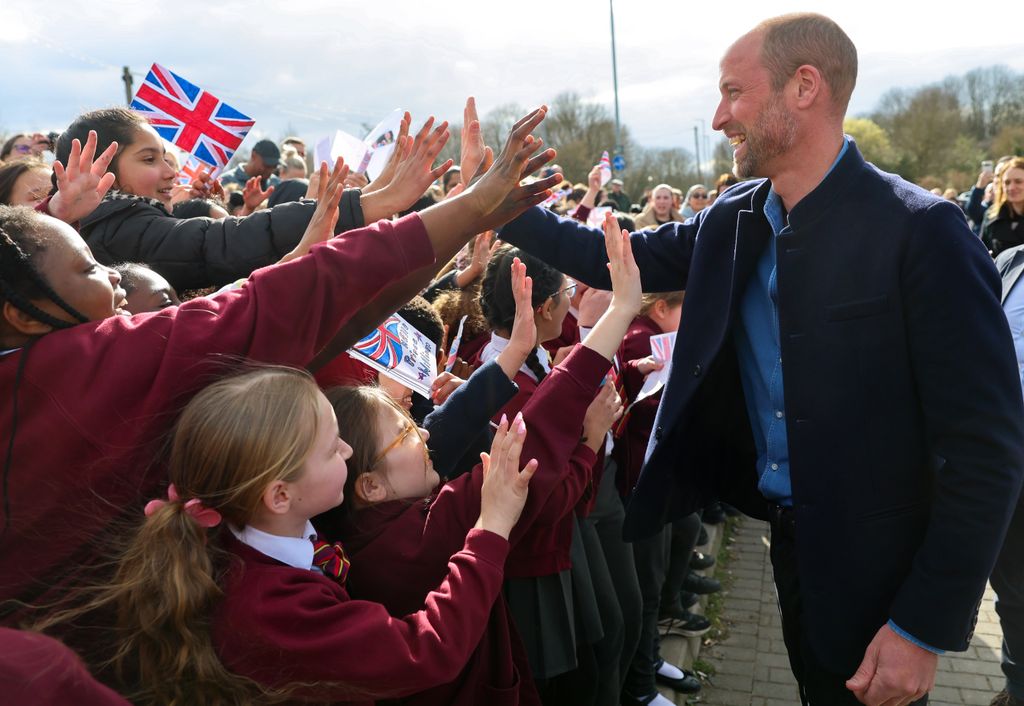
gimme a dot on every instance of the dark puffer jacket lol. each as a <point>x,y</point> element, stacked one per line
<point>193,253</point>
<point>1003,231</point>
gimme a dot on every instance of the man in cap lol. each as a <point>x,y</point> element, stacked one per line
<point>262,163</point>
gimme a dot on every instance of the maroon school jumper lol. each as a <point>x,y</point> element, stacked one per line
<point>36,670</point>
<point>94,400</point>
<point>636,427</point>
<point>279,624</point>
<point>399,549</point>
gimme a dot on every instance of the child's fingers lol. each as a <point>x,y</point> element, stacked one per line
<point>99,167</point>
<point>526,475</point>
<point>73,159</point>
<point>88,152</point>
<point>485,463</point>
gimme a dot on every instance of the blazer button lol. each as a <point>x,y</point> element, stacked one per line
<point>657,433</point>
<point>697,369</point>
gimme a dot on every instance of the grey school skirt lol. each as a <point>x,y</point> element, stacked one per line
<point>553,612</point>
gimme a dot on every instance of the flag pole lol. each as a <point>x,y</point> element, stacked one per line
<point>126,76</point>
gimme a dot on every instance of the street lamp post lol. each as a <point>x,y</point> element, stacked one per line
<point>615,82</point>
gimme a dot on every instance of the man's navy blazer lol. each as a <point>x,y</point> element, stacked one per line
<point>903,405</point>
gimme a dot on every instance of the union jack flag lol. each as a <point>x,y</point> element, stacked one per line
<point>383,346</point>
<point>189,117</point>
<point>190,170</point>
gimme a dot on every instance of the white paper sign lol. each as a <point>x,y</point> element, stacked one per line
<point>380,142</point>
<point>661,348</point>
<point>398,350</point>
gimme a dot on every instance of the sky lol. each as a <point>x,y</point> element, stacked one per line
<point>313,66</point>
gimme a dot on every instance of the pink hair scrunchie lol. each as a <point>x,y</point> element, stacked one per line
<point>204,516</point>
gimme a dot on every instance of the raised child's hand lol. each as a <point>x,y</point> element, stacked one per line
<point>82,183</point>
<point>601,414</point>
<point>499,195</point>
<point>627,292</point>
<point>325,217</point>
<point>415,172</point>
<point>504,490</point>
<point>523,338</point>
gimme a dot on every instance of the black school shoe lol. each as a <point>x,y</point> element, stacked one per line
<point>687,684</point>
<point>701,585</point>
<point>685,624</point>
<point>1004,698</point>
<point>688,599</point>
<point>700,561</point>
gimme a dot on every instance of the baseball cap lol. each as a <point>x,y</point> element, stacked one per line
<point>268,151</point>
<point>616,182</point>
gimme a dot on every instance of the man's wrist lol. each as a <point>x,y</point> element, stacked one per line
<point>913,640</point>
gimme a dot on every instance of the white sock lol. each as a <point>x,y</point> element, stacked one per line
<point>660,700</point>
<point>671,671</point>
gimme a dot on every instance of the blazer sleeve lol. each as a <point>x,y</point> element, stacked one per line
<point>663,255</point>
<point>554,418</point>
<point>283,315</point>
<point>309,635</point>
<point>967,379</point>
<point>457,423</point>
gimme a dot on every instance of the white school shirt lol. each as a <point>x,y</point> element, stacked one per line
<point>293,551</point>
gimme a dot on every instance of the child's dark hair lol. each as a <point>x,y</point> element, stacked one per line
<point>196,207</point>
<point>496,299</point>
<point>131,272</point>
<point>425,319</point>
<point>21,241</point>
<point>111,125</point>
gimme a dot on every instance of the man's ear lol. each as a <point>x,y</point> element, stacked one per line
<point>370,488</point>
<point>22,322</point>
<point>277,498</point>
<point>808,84</point>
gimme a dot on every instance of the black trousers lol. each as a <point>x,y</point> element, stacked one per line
<point>818,686</point>
<point>1008,582</point>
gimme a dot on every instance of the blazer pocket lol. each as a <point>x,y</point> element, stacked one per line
<point>857,310</point>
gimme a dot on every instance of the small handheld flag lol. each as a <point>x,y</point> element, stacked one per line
<point>606,168</point>
<point>189,117</point>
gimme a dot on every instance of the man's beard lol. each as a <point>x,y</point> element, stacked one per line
<point>773,133</point>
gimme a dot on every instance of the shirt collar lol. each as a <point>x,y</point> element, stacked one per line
<point>293,551</point>
<point>773,209</point>
<point>497,344</point>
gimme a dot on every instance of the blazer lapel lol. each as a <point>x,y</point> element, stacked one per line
<point>1012,275</point>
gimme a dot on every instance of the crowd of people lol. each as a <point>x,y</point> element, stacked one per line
<point>206,500</point>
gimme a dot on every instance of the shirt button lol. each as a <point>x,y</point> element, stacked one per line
<point>697,370</point>
<point>775,466</point>
<point>778,414</point>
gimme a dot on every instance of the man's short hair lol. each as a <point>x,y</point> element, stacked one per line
<point>790,41</point>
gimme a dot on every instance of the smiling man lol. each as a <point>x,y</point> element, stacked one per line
<point>842,369</point>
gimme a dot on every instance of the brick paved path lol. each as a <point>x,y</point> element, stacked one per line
<point>751,667</point>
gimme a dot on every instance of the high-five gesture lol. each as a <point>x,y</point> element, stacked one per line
<point>83,182</point>
<point>499,194</point>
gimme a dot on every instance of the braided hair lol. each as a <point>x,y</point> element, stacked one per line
<point>497,301</point>
<point>21,241</point>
